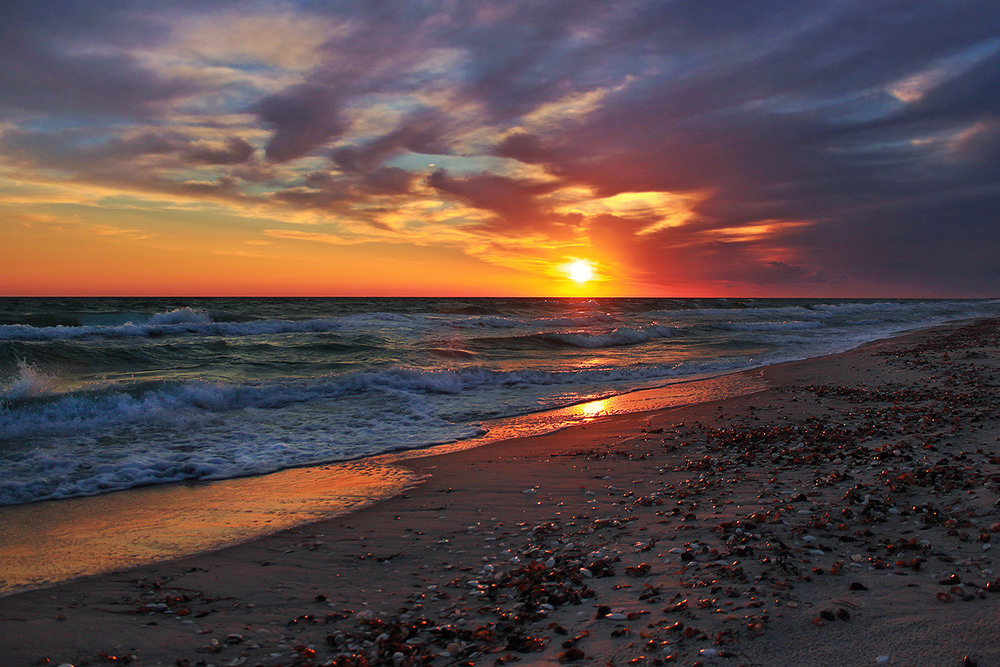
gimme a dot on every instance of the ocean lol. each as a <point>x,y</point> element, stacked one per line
<point>103,394</point>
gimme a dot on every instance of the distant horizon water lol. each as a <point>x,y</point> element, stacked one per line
<point>104,394</point>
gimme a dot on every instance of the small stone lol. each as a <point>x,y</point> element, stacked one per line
<point>571,654</point>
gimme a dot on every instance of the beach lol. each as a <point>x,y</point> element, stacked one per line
<point>843,515</point>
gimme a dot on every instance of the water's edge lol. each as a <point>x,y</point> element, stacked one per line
<point>50,542</point>
<point>54,541</point>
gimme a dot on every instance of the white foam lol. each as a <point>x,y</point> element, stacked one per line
<point>29,383</point>
<point>614,338</point>
<point>184,315</point>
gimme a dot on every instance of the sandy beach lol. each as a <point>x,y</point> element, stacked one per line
<point>845,515</point>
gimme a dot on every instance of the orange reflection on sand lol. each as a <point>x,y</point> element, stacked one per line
<point>669,396</point>
<point>593,409</point>
<point>61,539</point>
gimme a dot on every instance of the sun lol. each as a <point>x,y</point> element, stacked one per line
<point>580,271</point>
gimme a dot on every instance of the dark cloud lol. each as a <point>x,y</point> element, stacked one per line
<point>420,134</point>
<point>234,151</point>
<point>48,63</point>
<point>874,125</point>
<point>388,180</point>
<point>78,149</point>
<point>798,123</point>
<point>513,201</point>
<point>302,117</point>
<point>525,147</point>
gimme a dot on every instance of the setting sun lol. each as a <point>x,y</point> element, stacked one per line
<point>580,271</point>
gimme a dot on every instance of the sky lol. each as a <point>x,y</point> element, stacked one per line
<point>669,148</point>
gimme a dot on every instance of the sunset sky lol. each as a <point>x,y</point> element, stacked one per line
<point>671,148</point>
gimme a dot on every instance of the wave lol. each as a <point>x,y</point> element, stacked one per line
<point>618,337</point>
<point>173,404</point>
<point>191,321</point>
<point>88,442</point>
<point>451,352</point>
<point>766,326</point>
<point>29,383</point>
<point>124,398</point>
<point>186,315</point>
<point>501,322</point>
<point>177,322</point>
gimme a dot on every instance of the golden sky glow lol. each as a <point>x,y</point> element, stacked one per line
<point>287,148</point>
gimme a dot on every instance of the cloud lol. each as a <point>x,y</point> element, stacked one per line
<point>233,150</point>
<point>302,117</point>
<point>513,201</point>
<point>64,56</point>
<point>763,144</point>
<point>422,133</point>
<point>119,157</point>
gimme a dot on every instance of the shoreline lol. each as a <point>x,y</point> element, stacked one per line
<point>235,510</point>
<point>491,548</point>
<point>52,542</point>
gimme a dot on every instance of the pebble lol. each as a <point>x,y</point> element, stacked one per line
<point>523,592</point>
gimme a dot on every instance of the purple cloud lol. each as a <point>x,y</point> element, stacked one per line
<point>302,117</point>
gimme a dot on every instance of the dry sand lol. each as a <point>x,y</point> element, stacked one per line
<point>842,517</point>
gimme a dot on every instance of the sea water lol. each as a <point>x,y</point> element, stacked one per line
<point>100,394</point>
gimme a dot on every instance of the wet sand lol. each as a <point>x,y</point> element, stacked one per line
<point>843,516</point>
<point>54,541</point>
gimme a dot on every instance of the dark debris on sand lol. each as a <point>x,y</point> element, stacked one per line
<point>806,512</point>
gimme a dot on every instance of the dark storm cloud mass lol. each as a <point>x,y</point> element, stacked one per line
<point>845,144</point>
